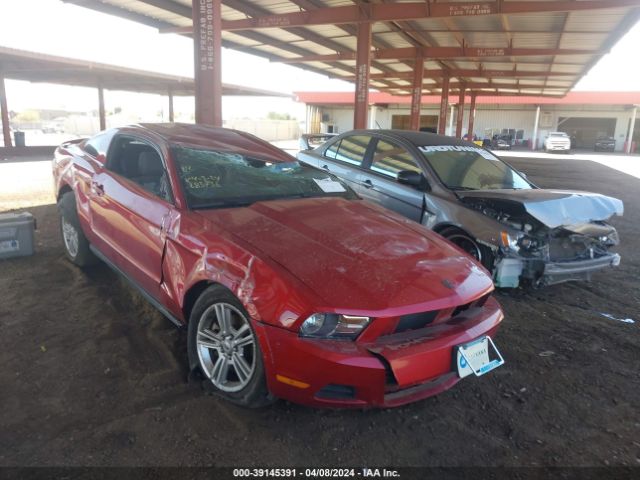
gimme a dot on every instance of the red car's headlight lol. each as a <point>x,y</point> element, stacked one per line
<point>332,325</point>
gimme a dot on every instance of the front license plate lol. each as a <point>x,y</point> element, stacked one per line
<point>477,357</point>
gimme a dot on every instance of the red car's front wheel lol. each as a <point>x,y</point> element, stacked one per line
<point>224,346</point>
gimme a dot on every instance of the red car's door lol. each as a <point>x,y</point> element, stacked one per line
<point>130,207</point>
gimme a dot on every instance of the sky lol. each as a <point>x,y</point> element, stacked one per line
<point>57,28</point>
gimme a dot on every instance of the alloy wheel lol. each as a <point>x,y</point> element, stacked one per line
<point>226,347</point>
<point>70,237</point>
<point>466,244</point>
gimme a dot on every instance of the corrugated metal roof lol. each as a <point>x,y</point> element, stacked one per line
<point>575,30</point>
<point>37,67</point>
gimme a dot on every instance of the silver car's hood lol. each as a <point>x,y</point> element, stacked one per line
<point>554,208</point>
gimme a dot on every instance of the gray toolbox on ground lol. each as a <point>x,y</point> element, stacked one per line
<point>16,234</point>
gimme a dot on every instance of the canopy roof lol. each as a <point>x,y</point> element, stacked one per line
<point>515,47</point>
<point>37,67</point>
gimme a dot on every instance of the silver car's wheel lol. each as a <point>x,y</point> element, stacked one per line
<point>70,237</point>
<point>226,347</point>
<point>467,244</point>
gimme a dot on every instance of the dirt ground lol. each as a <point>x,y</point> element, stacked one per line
<point>90,374</point>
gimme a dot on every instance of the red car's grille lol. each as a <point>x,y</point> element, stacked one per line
<point>416,321</point>
<point>475,304</point>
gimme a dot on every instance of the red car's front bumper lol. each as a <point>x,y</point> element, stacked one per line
<point>388,372</point>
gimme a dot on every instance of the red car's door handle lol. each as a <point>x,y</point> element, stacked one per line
<point>97,188</point>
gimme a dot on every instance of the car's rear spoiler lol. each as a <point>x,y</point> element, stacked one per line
<point>308,138</point>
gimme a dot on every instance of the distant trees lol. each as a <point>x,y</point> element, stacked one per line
<point>279,116</point>
<point>28,116</point>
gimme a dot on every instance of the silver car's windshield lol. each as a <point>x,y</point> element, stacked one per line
<point>471,168</point>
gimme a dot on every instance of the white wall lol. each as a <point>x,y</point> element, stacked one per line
<point>493,116</point>
<point>269,130</point>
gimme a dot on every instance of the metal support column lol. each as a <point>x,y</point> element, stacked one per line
<point>534,139</point>
<point>207,49</point>
<point>460,116</point>
<point>101,111</point>
<point>4,111</point>
<point>363,62</point>
<point>416,93</point>
<point>170,94</point>
<point>444,103</point>
<point>632,127</point>
<point>450,129</point>
<point>472,116</point>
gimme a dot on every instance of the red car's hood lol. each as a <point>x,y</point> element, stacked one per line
<point>357,257</point>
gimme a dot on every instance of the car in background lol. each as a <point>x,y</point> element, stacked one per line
<point>605,144</point>
<point>53,127</point>
<point>289,284</point>
<point>521,233</point>
<point>557,142</point>
<point>501,142</point>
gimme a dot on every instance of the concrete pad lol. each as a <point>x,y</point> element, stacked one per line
<point>629,164</point>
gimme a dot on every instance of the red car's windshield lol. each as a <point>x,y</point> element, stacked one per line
<point>214,179</point>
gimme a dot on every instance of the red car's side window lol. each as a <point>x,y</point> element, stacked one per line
<point>141,163</point>
<point>98,145</point>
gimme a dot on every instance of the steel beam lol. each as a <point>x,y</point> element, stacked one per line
<point>304,33</point>
<point>472,115</point>
<point>479,73</point>
<point>534,137</point>
<point>434,53</point>
<point>368,13</point>
<point>102,115</point>
<point>416,93</point>
<point>170,6</point>
<point>504,86</point>
<point>450,129</point>
<point>170,95</point>
<point>207,50</point>
<point>187,30</point>
<point>363,62</point>
<point>4,114</point>
<point>632,127</point>
<point>460,115</point>
<point>444,101</point>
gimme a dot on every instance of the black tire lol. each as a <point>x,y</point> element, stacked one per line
<point>81,255</point>
<point>255,393</point>
<point>470,245</point>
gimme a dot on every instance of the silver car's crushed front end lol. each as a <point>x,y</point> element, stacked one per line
<point>558,255</point>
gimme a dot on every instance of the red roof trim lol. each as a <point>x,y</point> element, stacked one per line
<point>572,98</point>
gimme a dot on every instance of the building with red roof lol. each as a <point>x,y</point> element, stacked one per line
<point>585,116</point>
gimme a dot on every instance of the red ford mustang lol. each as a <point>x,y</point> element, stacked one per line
<point>291,286</point>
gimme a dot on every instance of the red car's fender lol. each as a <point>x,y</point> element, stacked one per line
<point>197,256</point>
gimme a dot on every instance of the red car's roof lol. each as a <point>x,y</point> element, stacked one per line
<point>215,138</point>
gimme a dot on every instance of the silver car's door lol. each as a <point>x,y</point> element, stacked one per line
<point>345,158</point>
<point>378,182</point>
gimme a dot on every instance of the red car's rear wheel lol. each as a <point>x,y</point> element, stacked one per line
<point>76,245</point>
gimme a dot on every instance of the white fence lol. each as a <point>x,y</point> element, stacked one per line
<point>269,130</point>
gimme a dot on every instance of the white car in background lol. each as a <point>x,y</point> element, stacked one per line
<point>557,142</point>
